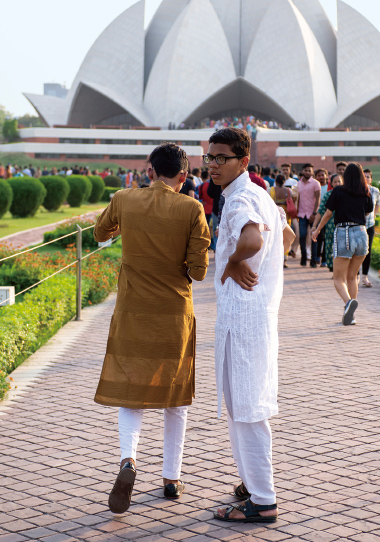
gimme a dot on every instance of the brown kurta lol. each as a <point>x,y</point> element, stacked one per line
<point>151,345</point>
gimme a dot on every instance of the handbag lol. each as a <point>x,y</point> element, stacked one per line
<point>290,206</point>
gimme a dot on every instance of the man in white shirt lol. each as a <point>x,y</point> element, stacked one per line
<point>248,282</point>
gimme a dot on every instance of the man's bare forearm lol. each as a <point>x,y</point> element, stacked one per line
<point>249,244</point>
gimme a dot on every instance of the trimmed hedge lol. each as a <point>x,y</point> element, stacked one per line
<point>28,195</point>
<point>107,193</point>
<point>57,189</point>
<point>6,196</point>
<point>375,253</point>
<point>80,190</point>
<point>98,187</point>
<point>112,180</point>
<point>26,326</point>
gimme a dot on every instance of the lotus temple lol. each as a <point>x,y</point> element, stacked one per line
<point>277,59</point>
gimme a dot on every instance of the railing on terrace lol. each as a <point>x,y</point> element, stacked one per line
<point>78,262</point>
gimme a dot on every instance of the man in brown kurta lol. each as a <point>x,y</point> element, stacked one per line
<point>149,361</point>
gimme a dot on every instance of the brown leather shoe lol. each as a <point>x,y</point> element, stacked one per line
<point>119,499</point>
<point>174,491</point>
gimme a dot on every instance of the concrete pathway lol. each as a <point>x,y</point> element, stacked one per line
<point>59,450</point>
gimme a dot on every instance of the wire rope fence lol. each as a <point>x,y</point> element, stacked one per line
<point>78,262</point>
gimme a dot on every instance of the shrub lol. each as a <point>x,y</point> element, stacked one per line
<point>375,254</point>
<point>28,195</point>
<point>107,193</point>
<point>97,188</point>
<point>57,190</point>
<point>112,180</point>
<point>6,196</point>
<point>10,130</point>
<point>80,190</point>
<point>27,325</point>
<point>70,226</point>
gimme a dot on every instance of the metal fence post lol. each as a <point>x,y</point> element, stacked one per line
<point>79,273</point>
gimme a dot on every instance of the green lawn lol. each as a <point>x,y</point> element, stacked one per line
<point>9,225</point>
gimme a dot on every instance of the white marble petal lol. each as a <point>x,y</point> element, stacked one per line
<point>292,69</point>
<point>193,63</point>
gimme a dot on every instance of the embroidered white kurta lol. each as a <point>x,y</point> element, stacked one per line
<point>249,316</point>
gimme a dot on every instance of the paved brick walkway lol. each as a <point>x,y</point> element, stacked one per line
<point>59,450</point>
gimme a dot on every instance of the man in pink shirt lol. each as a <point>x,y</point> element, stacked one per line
<point>309,191</point>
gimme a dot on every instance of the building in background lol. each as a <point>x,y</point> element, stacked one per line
<point>279,60</point>
<point>55,89</point>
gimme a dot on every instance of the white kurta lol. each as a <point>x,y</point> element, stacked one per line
<point>249,316</point>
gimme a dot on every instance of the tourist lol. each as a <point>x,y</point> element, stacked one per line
<point>292,183</point>
<point>188,187</point>
<point>370,225</point>
<point>204,198</point>
<point>214,191</point>
<point>351,202</point>
<point>280,194</point>
<point>2,171</point>
<point>341,168</point>
<point>322,177</point>
<point>253,172</point>
<point>336,180</point>
<point>267,177</point>
<point>45,171</point>
<point>246,328</point>
<point>153,368</point>
<point>309,192</point>
<point>38,172</point>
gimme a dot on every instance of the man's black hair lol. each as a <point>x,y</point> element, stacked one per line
<point>196,171</point>
<point>205,175</point>
<point>252,168</point>
<point>266,170</point>
<point>307,165</point>
<point>238,140</point>
<point>368,171</point>
<point>341,164</point>
<point>168,159</point>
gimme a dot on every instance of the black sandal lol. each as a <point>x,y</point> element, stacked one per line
<point>251,512</point>
<point>119,499</point>
<point>241,492</point>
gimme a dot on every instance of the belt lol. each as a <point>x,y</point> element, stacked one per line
<point>347,226</point>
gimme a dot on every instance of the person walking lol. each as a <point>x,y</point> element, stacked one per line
<point>280,194</point>
<point>204,198</point>
<point>370,225</point>
<point>336,180</point>
<point>309,191</point>
<point>165,238</point>
<point>351,202</point>
<point>250,246</point>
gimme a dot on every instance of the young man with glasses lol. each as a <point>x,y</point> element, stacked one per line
<point>248,282</point>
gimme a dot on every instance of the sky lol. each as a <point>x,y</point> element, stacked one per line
<point>46,41</point>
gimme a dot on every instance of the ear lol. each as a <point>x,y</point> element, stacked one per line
<point>183,177</point>
<point>245,161</point>
<point>149,172</point>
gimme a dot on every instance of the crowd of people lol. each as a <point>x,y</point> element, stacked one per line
<point>249,123</point>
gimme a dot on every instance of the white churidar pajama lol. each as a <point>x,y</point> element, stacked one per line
<point>130,420</point>
<point>247,325</point>
<point>251,445</point>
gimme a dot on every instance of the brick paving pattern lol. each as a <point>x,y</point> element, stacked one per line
<point>59,450</point>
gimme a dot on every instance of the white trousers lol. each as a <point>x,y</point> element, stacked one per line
<point>130,421</point>
<point>251,445</point>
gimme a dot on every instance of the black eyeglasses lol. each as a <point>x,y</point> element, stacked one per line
<point>220,159</point>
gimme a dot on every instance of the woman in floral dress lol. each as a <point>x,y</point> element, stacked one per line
<point>330,226</point>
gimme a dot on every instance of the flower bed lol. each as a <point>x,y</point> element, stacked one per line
<point>27,325</point>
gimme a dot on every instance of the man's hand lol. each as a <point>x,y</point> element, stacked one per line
<point>242,274</point>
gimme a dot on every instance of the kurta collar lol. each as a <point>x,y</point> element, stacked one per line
<point>161,184</point>
<point>244,177</point>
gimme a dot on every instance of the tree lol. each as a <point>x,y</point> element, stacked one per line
<point>10,130</point>
<point>4,115</point>
<point>30,121</point>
